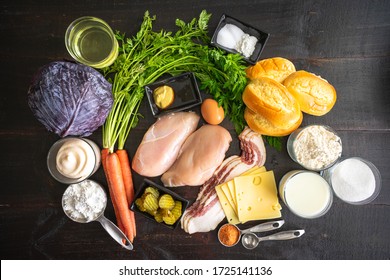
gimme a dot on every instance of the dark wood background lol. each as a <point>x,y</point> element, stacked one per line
<point>346,42</point>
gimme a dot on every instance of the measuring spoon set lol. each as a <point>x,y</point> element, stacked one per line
<point>250,240</point>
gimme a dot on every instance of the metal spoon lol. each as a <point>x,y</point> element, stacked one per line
<point>251,240</point>
<point>109,226</point>
<point>257,228</point>
<point>263,227</point>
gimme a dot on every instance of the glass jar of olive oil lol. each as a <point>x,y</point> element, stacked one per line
<point>91,41</point>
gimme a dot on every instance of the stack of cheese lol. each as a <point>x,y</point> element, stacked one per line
<point>250,196</point>
<point>277,94</point>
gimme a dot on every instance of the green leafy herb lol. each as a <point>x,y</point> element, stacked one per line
<point>275,142</point>
<point>148,55</point>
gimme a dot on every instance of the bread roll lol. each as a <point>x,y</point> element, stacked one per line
<point>261,125</point>
<point>273,101</point>
<point>314,94</point>
<point>276,68</point>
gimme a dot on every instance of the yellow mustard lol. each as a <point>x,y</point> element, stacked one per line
<point>163,96</point>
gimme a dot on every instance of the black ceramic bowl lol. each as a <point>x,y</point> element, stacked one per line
<point>186,93</point>
<point>162,190</point>
<point>261,36</point>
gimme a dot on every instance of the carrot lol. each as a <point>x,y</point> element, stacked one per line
<point>104,153</point>
<point>128,181</point>
<point>117,185</point>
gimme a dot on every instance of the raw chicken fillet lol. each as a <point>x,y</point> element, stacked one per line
<point>162,142</point>
<point>202,152</point>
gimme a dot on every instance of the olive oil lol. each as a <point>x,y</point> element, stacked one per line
<point>91,41</point>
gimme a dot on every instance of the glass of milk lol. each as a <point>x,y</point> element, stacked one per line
<point>306,193</point>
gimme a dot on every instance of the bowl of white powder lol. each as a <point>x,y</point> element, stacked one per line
<point>314,147</point>
<point>354,180</point>
<point>84,202</point>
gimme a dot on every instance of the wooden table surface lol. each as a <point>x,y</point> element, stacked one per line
<point>346,42</point>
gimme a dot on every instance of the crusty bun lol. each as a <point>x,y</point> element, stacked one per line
<point>314,94</point>
<point>273,101</point>
<point>276,68</point>
<point>261,125</point>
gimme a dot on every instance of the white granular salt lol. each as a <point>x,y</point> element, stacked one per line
<point>353,180</point>
<point>316,147</point>
<point>84,201</point>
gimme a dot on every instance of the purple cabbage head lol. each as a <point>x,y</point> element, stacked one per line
<point>70,98</point>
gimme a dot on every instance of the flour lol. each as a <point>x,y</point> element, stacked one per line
<point>316,147</point>
<point>353,180</point>
<point>84,202</point>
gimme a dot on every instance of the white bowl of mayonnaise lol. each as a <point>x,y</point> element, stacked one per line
<point>73,159</point>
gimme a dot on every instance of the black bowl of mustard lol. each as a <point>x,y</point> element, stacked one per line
<point>177,93</point>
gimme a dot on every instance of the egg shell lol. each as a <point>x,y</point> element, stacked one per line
<point>211,112</point>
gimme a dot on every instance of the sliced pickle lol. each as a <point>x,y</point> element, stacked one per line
<point>169,218</point>
<point>176,211</point>
<point>159,215</point>
<point>140,204</point>
<point>166,202</point>
<point>150,202</point>
<point>162,207</point>
<point>153,191</point>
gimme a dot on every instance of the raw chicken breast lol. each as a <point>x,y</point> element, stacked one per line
<point>162,142</point>
<point>202,152</point>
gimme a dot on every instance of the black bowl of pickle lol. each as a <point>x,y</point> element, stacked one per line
<point>159,204</point>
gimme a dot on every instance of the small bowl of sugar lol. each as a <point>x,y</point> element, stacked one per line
<point>354,180</point>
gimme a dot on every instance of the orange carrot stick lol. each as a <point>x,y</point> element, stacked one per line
<point>116,183</point>
<point>128,181</point>
<point>104,153</point>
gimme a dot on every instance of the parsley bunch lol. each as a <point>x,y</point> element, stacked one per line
<point>149,54</point>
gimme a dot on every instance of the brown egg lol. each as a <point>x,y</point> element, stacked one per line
<point>211,112</point>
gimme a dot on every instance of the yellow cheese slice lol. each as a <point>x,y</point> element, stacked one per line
<point>257,197</point>
<point>232,192</point>
<point>226,192</point>
<point>229,189</point>
<point>229,211</point>
<point>254,170</point>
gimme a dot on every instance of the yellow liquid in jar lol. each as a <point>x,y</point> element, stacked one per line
<point>92,42</point>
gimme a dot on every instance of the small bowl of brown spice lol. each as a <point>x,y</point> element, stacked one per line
<point>229,235</point>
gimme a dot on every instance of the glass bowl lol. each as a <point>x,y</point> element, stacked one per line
<point>306,193</point>
<point>354,180</point>
<point>315,147</point>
